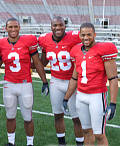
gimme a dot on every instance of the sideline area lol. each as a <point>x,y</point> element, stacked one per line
<point>48,75</point>
<point>34,74</point>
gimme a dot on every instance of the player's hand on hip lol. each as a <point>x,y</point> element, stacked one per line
<point>65,107</point>
<point>111,109</point>
<point>45,89</point>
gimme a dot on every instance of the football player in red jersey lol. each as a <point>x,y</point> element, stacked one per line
<point>56,47</point>
<point>94,64</point>
<point>16,53</point>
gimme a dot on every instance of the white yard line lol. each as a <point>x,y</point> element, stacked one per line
<point>66,117</point>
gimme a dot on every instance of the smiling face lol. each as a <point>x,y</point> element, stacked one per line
<point>58,28</point>
<point>87,36</point>
<point>13,28</point>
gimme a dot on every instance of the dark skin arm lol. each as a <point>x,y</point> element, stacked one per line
<point>39,67</point>
<point>72,85</point>
<point>1,63</point>
<point>111,71</point>
<point>43,60</point>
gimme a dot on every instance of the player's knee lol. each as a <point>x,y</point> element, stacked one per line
<point>10,115</point>
<point>9,102</point>
<point>27,114</point>
<point>58,116</point>
<point>27,117</point>
<point>28,102</point>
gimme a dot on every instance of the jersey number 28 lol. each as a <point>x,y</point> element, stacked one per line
<point>63,64</point>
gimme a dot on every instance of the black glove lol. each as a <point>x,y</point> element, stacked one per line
<point>111,109</point>
<point>65,107</point>
<point>45,89</point>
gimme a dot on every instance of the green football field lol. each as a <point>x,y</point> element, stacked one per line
<point>44,132</point>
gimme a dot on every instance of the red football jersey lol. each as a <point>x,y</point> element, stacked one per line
<point>59,53</point>
<point>17,58</point>
<point>92,77</point>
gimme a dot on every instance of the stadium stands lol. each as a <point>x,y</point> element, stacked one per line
<point>78,11</point>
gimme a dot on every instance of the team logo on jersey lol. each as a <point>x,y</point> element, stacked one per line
<point>75,32</point>
<point>64,47</point>
<point>19,48</point>
<point>90,57</point>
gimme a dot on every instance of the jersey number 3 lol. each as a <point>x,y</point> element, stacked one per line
<point>17,66</point>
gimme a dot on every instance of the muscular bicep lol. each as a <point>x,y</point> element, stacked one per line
<point>111,68</point>
<point>43,59</point>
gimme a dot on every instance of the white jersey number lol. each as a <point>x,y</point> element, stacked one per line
<point>16,62</point>
<point>63,63</point>
<point>84,78</point>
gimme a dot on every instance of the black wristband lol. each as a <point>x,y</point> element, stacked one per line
<point>74,78</point>
<point>114,104</point>
<point>65,100</point>
<point>113,78</point>
<point>45,83</point>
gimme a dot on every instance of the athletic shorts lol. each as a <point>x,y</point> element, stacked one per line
<point>91,108</point>
<point>18,93</point>
<point>58,89</point>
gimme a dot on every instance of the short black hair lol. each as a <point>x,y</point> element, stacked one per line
<point>58,18</point>
<point>12,19</point>
<point>87,25</point>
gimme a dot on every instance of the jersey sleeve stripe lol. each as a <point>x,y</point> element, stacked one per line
<point>109,58</point>
<point>33,47</point>
<point>115,54</point>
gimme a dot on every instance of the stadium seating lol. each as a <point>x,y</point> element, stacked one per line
<point>41,11</point>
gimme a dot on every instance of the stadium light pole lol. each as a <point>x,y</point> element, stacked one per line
<point>103,12</point>
<point>91,11</point>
